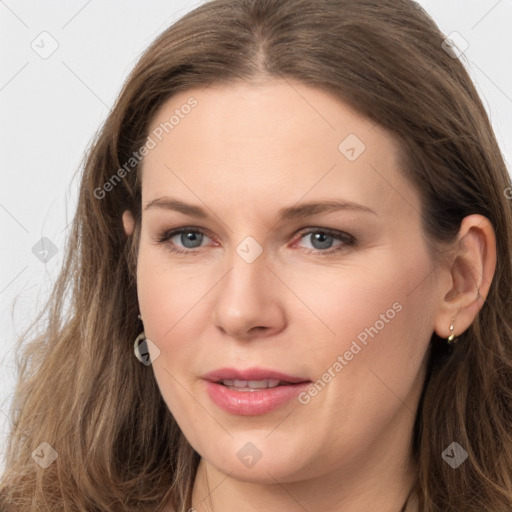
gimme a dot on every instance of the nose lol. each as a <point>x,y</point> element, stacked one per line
<point>249,300</point>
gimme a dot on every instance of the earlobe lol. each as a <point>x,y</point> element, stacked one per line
<point>472,271</point>
<point>128,222</point>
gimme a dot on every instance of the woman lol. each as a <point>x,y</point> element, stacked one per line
<point>296,219</point>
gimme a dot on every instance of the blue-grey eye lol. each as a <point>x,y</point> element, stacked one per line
<point>190,239</point>
<point>321,240</point>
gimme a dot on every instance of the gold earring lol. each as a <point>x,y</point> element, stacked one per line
<point>452,335</point>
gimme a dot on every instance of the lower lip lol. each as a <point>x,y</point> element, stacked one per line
<point>252,403</point>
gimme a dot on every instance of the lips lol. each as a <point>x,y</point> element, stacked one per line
<point>241,392</point>
<point>252,374</point>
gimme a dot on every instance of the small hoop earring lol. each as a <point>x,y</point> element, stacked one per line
<point>141,349</point>
<point>450,338</point>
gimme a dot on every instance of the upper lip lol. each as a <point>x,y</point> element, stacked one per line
<point>251,374</point>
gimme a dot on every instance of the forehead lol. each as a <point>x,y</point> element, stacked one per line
<point>274,142</point>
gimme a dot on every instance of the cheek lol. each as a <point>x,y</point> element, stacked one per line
<point>376,318</point>
<point>168,300</point>
<point>338,304</point>
<point>167,292</point>
<point>371,365</point>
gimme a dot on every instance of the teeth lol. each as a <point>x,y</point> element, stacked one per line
<point>251,384</point>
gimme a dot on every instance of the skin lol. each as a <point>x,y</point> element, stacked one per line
<point>242,154</point>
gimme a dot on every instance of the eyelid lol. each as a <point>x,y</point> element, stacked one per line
<point>165,237</point>
<point>337,233</point>
<point>169,233</point>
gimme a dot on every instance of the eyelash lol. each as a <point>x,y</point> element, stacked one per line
<point>348,240</point>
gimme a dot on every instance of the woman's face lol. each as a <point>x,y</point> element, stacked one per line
<point>342,297</point>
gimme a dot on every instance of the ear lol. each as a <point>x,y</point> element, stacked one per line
<point>128,222</point>
<point>470,276</point>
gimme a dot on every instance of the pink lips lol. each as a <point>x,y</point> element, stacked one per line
<point>258,401</point>
<point>251,374</point>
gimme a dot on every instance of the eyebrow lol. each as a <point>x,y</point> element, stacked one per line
<point>289,213</point>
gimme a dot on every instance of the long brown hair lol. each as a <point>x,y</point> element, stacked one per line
<point>81,390</point>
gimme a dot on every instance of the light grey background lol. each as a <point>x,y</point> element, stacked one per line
<point>51,107</point>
